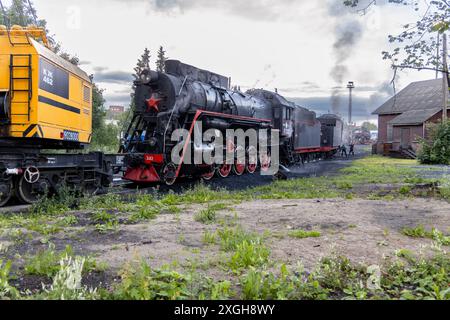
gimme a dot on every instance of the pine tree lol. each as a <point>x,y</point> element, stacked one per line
<point>161,62</point>
<point>142,64</point>
<point>22,13</point>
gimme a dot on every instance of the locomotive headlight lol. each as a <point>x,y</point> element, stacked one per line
<point>153,142</point>
<point>146,76</point>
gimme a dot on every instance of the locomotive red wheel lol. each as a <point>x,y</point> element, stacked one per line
<point>239,168</point>
<point>208,176</point>
<point>251,168</point>
<point>252,161</point>
<point>265,162</point>
<point>225,170</point>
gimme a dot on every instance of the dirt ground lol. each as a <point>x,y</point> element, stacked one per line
<point>364,231</point>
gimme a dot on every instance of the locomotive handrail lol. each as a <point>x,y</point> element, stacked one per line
<point>173,111</point>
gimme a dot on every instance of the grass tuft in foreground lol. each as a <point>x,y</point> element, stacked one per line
<point>421,232</point>
<point>302,234</point>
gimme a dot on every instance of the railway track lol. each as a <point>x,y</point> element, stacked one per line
<point>314,168</point>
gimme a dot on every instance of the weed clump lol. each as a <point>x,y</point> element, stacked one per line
<point>208,215</point>
<point>302,234</point>
<point>421,232</point>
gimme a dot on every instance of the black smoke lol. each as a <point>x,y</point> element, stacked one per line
<point>348,32</point>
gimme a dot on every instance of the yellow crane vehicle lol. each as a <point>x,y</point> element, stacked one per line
<point>45,104</point>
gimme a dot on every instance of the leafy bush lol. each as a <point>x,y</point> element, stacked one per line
<point>436,149</point>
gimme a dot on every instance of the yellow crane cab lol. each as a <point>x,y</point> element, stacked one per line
<point>45,101</point>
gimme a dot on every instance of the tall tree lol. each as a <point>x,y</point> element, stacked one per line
<point>22,13</point>
<point>142,64</point>
<point>369,126</point>
<point>417,44</point>
<point>104,137</point>
<point>161,62</point>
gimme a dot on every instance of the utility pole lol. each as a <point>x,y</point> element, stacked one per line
<point>350,87</point>
<point>438,58</point>
<point>445,78</point>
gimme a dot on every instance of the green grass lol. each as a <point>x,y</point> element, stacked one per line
<point>107,202</point>
<point>47,262</point>
<point>142,282</point>
<point>421,232</point>
<point>231,238</point>
<point>415,278</point>
<point>209,238</point>
<point>6,290</point>
<point>374,169</point>
<point>407,277</point>
<point>302,234</point>
<point>208,215</point>
<point>405,190</point>
<point>444,189</point>
<point>249,254</point>
<point>103,217</point>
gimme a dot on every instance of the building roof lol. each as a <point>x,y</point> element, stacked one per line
<point>422,95</point>
<point>414,117</point>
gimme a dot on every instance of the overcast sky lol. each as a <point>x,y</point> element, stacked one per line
<point>301,47</point>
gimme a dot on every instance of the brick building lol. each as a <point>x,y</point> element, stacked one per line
<point>116,110</point>
<point>403,119</point>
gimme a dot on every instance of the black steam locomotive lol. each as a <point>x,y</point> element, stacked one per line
<point>184,95</point>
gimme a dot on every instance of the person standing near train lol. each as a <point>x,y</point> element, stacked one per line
<point>344,151</point>
<point>352,149</point>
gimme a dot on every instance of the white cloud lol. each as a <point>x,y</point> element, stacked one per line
<point>234,38</point>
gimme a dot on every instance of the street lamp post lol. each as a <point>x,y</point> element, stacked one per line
<point>350,87</point>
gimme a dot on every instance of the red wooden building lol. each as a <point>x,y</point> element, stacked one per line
<point>403,119</point>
